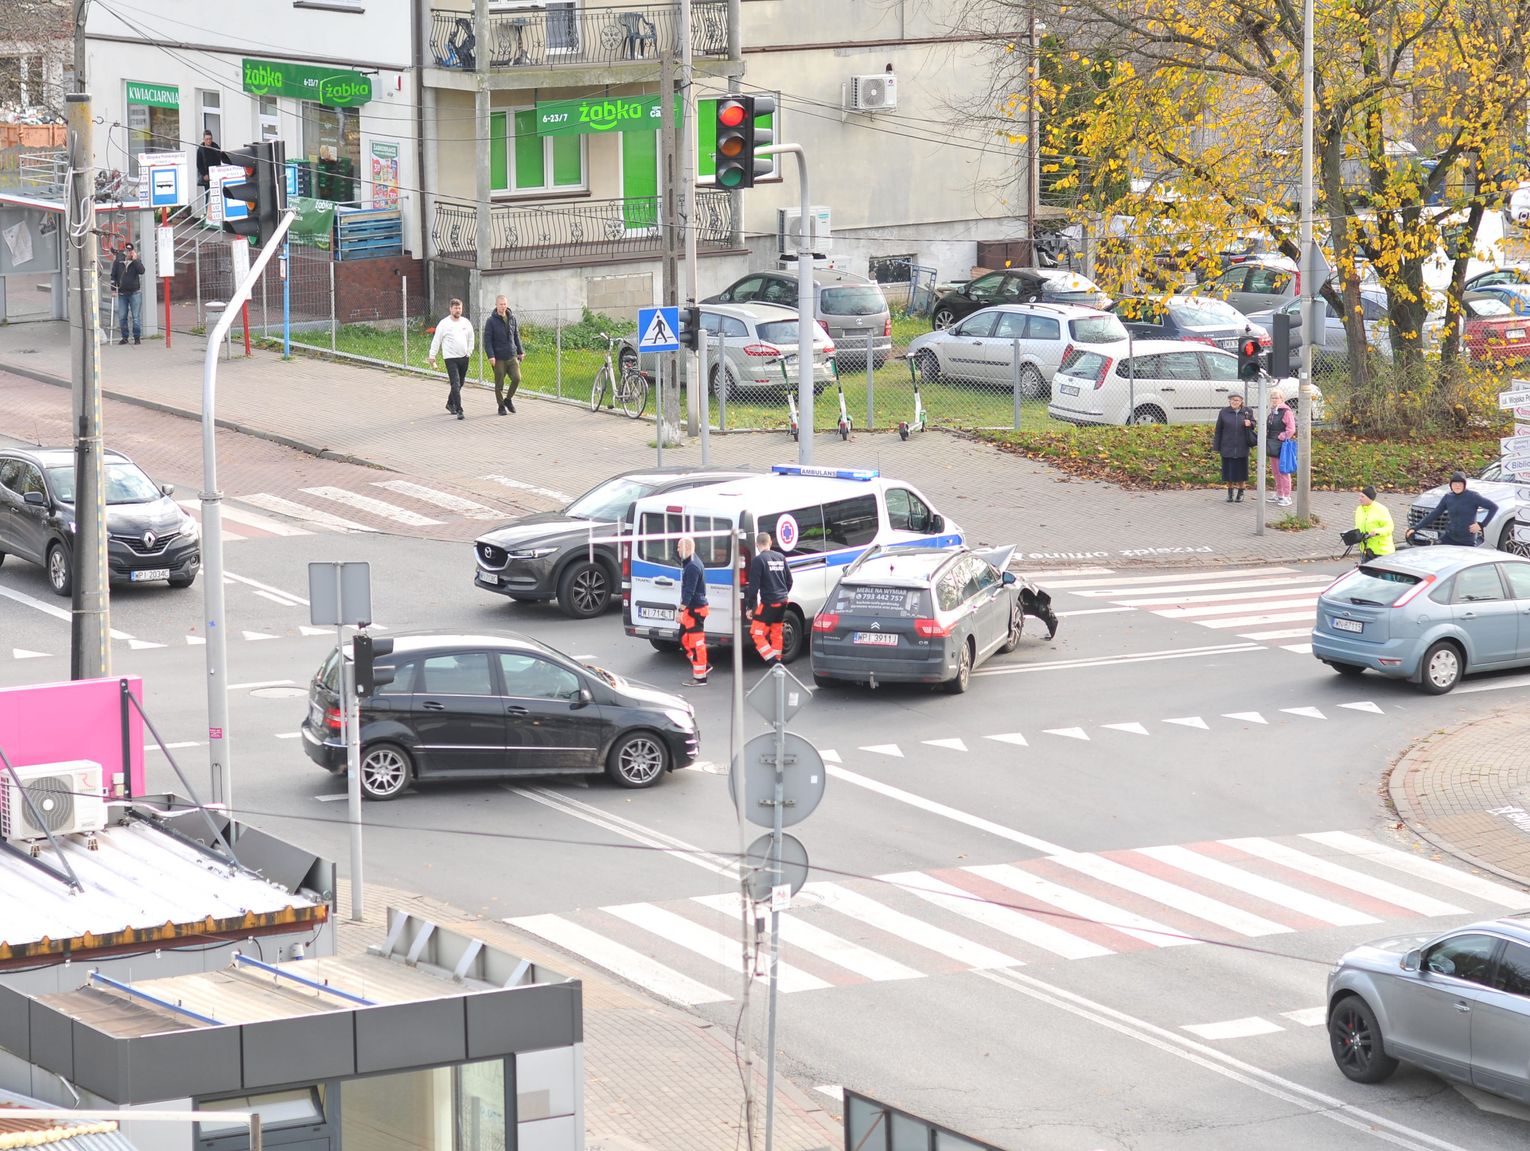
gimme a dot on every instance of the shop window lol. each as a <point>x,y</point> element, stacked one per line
<point>268,119</point>
<point>706,141</point>
<point>153,121</point>
<point>331,153</point>
<point>211,104</point>
<point>520,161</point>
<point>893,269</point>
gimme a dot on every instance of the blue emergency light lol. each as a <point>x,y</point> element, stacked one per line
<point>862,474</point>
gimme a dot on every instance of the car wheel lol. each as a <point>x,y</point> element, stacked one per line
<point>667,646</point>
<point>821,680</point>
<point>1348,670</point>
<point>721,377</point>
<point>386,770</point>
<point>1511,545</point>
<point>1355,1039</point>
<point>183,580</point>
<point>1033,385</point>
<point>929,367</point>
<point>792,633</point>
<point>638,760</point>
<point>1441,669</point>
<point>1149,414</point>
<point>584,590</point>
<point>963,678</point>
<point>60,570</point>
<point>942,319</point>
<point>1016,625</point>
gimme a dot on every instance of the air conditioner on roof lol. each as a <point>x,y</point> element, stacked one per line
<point>67,799</point>
<point>878,93</point>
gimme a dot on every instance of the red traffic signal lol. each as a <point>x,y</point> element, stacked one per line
<point>738,135</point>
<point>1248,357</point>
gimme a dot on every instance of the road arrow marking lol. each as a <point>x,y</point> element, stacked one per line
<point>1245,716</point>
<point>1130,728</point>
<point>141,644</point>
<point>885,749</point>
<point>195,640</point>
<point>23,653</point>
<point>829,756</point>
<point>1190,721</point>
<point>309,629</point>
<point>953,744</point>
<point>1309,712</point>
<point>1363,705</point>
<point>1069,732</point>
<point>1013,737</point>
<point>256,635</point>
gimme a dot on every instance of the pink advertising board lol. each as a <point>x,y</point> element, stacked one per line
<point>58,722</point>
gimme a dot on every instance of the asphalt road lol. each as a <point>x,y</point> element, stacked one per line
<point>1090,904</point>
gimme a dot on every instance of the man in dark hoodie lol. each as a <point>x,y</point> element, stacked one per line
<point>1460,507</point>
<point>127,278</point>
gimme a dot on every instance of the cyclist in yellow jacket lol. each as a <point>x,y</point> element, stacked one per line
<point>1374,522</point>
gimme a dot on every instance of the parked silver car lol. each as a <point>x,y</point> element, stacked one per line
<point>756,342</point>
<point>1456,1004</point>
<point>1255,285</point>
<point>980,348</point>
<point>851,308</point>
<point>1429,615</point>
<point>1513,500</point>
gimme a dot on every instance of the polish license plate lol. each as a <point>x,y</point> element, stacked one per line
<point>876,638</point>
<point>148,575</point>
<point>1068,389</point>
<point>661,614</point>
<point>316,715</point>
<point>488,577</point>
<point>1515,333</point>
<point>1348,625</point>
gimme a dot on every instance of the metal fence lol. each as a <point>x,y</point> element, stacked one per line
<point>565,35</point>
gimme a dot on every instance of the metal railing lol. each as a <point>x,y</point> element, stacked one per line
<point>42,173</point>
<point>563,34</point>
<point>541,234</point>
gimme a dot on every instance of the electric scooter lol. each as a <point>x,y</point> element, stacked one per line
<point>918,422</point>
<point>844,416</point>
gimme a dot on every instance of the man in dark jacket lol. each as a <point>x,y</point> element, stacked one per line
<point>770,583</point>
<point>502,341</point>
<point>693,610</point>
<point>1234,435</point>
<point>1460,507</point>
<point>127,278</point>
<point>209,156</point>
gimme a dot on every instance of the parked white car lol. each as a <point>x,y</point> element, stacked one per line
<point>981,348</point>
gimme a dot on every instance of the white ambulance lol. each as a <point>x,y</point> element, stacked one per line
<point>822,519</point>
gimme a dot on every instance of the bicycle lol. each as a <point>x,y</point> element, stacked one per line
<point>630,388</point>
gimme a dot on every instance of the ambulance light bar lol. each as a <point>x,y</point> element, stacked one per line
<point>862,474</point>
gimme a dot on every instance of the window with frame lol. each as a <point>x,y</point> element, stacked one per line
<point>948,588</point>
<point>522,163</point>
<point>1518,576</point>
<point>1268,281</point>
<point>1043,328</point>
<point>986,287</point>
<point>460,673</point>
<point>1478,585</point>
<point>1468,957</point>
<point>1011,326</point>
<point>532,677</point>
<point>892,269</point>
<point>403,679</point>
<point>982,324</point>
<point>906,512</point>
<point>810,530</point>
<point>1217,367</point>
<point>1513,974</point>
<point>851,523</point>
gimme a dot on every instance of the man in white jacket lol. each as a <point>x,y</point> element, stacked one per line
<point>454,342</point>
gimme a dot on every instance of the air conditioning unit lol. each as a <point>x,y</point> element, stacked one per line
<point>788,229</point>
<point>878,93</point>
<point>68,799</point>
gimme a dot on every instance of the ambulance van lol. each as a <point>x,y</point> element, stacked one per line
<point>821,518</point>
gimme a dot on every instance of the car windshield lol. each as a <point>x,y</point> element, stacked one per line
<point>1201,313</point>
<point>779,332</point>
<point>872,599</point>
<point>609,501</point>
<point>1484,306</point>
<point>1085,365</point>
<point>855,300</point>
<point>1374,585</point>
<point>1097,329</point>
<point>125,484</point>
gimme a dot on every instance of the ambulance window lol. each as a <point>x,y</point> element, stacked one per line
<point>851,523</point>
<point>810,533</point>
<point>713,541</point>
<point>906,512</point>
<point>659,550</point>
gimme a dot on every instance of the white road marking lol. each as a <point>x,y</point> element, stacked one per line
<point>466,508</point>
<point>1094,611</point>
<point>1299,648</point>
<point>1169,894</point>
<point>182,746</point>
<point>891,749</point>
<point>1274,588</point>
<point>1172,578</point>
<point>1307,1016</point>
<point>1245,716</point>
<point>626,963</point>
<point>23,653</point>
<point>252,685</point>
<point>675,848</point>
<point>1253,620</point>
<point>1308,712</point>
<point>1129,728</point>
<point>941,809</point>
<point>1002,919</point>
<point>278,593</point>
<point>1233,1028</point>
<point>195,640</point>
<point>951,744</point>
<point>825,945</point>
<point>1117,660</point>
<point>50,609</point>
<point>1013,737</point>
<point>249,519</point>
<point>831,1090</point>
<point>286,507</point>
<point>1068,732</point>
<point>1278,633</point>
<point>1191,721</point>
<point>1084,906</point>
<point>143,644</point>
<point>1363,705</point>
<point>1269,890</point>
<point>1439,873</point>
<point>379,508</point>
<point>308,629</point>
<point>256,635</point>
<point>1209,611</point>
<point>331,798</point>
<point>289,735</point>
<point>843,901</point>
<point>725,950</point>
<point>830,756</point>
<point>1342,876</point>
<point>1495,685</point>
<point>522,485</point>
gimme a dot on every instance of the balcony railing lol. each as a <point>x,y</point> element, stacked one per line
<point>567,34</point>
<point>590,229</point>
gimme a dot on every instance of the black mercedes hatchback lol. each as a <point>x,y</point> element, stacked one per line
<point>148,536</point>
<point>488,707</point>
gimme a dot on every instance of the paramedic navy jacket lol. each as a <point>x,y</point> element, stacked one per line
<point>693,583</point>
<point>770,578</point>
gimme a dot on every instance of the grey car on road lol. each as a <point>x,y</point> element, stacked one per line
<point>1456,1004</point>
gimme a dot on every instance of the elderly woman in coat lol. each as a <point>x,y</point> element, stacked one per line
<point>1232,438</point>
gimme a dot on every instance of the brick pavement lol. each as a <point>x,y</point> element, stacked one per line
<point>656,1079</point>
<point>1466,790</point>
<point>396,420</point>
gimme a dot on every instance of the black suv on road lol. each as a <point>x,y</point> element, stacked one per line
<point>550,555</point>
<point>148,536</point>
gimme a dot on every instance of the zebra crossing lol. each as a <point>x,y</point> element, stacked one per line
<point>909,925</point>
<point>1275,605</point>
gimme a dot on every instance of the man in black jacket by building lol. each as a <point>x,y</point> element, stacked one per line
<point>127,278</point>
<point>502,341</point>
<point>209,156</point>
<point>1460,506</point>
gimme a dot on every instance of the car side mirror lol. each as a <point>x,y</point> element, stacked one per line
<point>168,489</point>
<point>937,524</point>
<point>583,699</point>
<point>1411,961</point>
<point>36,499</point>
<point>1009,578</point>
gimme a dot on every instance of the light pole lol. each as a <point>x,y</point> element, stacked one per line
<point>1308,280</point>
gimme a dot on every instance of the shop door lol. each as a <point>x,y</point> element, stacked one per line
<point>640,181</point>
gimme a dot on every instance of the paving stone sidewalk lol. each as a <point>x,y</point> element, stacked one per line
<point>656,1079</point>
<point>395,420</point>
<point>1466,790</point>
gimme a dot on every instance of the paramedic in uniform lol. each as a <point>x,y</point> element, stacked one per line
<point>693,611</point>
<point>770,583</point>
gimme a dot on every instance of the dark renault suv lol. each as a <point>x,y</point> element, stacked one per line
<point>570,555</point>
<point>149,537</point>
<point>488,707</point>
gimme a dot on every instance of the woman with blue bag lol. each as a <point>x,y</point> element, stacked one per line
<point>1280,446</point>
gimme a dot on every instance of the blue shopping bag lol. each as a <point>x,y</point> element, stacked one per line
<point>1288,457</point>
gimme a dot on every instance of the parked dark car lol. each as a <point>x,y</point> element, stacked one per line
<point>550,555</point>
<point>1198,318</point>
<point>1016,286</point>
<point>148,536</point>
<point>487,707</point>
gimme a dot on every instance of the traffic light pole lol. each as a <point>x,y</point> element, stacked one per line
<point>1309,284</point>
<point>219,754</point>
<point>805,322</point>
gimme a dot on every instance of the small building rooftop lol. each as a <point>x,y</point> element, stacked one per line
<point>18,1130</point>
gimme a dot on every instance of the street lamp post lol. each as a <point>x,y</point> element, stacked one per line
<point>1308,280</point>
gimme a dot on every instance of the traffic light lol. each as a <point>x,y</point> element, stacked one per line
<point>365,651</point>
<point>690,325</point>
<point>1280,346</point>
<point>1248,357</point>
<point>263,190</point>
<point>738,135</point>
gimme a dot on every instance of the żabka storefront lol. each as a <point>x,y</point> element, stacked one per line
<point>329,103</point>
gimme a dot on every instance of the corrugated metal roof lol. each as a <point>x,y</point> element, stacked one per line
<point>18,1131</point>
<point>138,879</point>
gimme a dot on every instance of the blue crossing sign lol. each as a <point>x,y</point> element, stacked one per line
<point>659,329</point>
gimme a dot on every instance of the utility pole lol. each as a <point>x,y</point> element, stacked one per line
<point>687,182</point>
<point>1033,149</point>
<point>90,623</point>
<point>1309,284</point>
<point>805,238</point>
<point>667,409</point>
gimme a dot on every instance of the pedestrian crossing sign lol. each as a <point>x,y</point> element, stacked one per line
<point>659,329</point>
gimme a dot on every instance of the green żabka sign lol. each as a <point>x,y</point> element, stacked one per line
<point>154,95</point>
<point>329,86</point>
<point>596,114</point>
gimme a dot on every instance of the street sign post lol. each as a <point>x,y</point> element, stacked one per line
<point>1518,398</point>
<point>219,207</point>
<point>163,179</point>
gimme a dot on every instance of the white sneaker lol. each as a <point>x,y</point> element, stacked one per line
<point>1284,502</point>
<point>1271,498</point>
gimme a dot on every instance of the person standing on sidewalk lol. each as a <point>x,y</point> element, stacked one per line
<point>209,156</point>
<point>1374,523</point>
<point>127,278</point>
<point>693,611</point>
<point>502,344</point>
<point>770,583</point>
<point>1280,426</point>
<point>454,342</point>
<point>1234,435</point>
